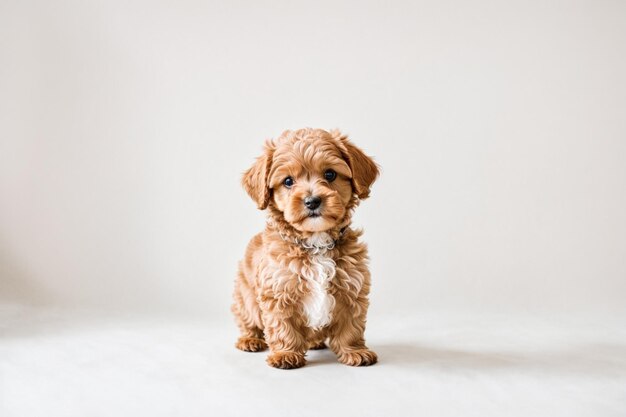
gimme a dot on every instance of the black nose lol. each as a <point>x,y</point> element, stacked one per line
<point>312,202</point>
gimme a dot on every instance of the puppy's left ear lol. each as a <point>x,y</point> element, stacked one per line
<point>255,179</point>
<point>364,169</point>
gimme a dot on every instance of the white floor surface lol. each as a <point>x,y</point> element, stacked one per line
<point>61,363</point>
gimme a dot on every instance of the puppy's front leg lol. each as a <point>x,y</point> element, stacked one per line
<point>287,343</point>
<point>285,330</point>
<point>347,338</point>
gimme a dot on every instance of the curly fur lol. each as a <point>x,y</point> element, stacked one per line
<point>304,279</point>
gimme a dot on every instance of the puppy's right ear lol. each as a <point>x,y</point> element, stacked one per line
<point>255,179</point>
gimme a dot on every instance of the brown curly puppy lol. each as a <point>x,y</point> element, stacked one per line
<point>305,280</point>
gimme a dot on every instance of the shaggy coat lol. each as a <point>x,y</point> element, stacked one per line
<point>304,280</point>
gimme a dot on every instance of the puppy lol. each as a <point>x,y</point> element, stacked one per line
<point>304,280</point>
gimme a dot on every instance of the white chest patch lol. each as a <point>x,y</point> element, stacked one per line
<point>318,304</point>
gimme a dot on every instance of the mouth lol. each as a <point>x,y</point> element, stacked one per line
<point>313,214</point>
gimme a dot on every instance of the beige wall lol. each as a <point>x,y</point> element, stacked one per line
<point>500,127</point>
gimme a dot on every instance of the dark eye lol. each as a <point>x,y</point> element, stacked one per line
<point>330,175</point>
<point>288,182</point>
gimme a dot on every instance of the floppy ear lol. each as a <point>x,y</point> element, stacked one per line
<point>254,180</point>
<point>364,169</point>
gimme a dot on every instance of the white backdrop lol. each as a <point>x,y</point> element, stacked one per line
<point>500,128</point>
<point>497,230</point>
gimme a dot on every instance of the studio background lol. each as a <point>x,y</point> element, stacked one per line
<point>499,126</point>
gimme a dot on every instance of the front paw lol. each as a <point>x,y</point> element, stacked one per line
<point>286,360</point>
<point>361,357</point>
<point>251,344</point>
